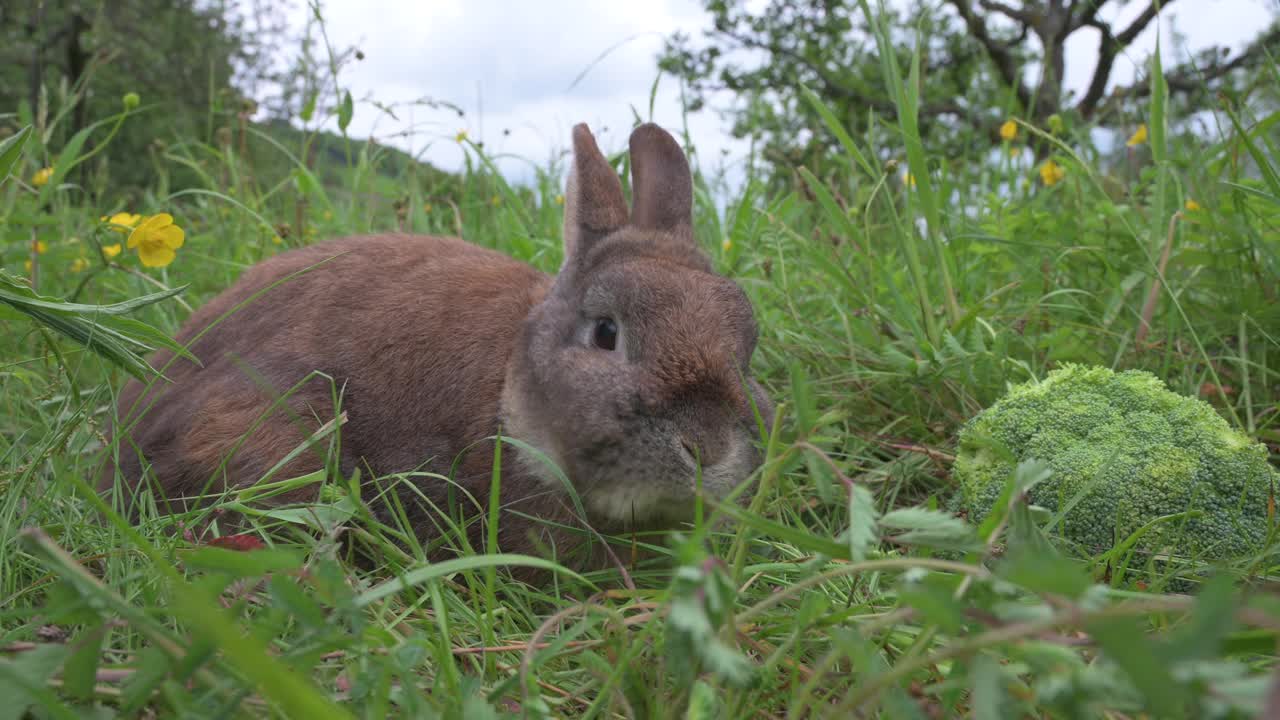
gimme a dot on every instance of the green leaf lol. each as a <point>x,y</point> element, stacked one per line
<point>436,571</point>
<point>345,110</point>
<point>309,107</point>
<point>1045,573</point>
<point>1270,173</point>
<point>838,130</point>
<point>701,597</point>
<point>802,539</point>
<point>1250,642</point>
<point>869,662</point>
<point>935,602</point>
<point>1213,616</point>
<point>23,677</point>
<point>289,596</point>
<point>837,218</point>
<point>703,703</point>
<point>303,178</point>
<point>1026,475</point>
<point>1159,100</point>
<point>1025,535</point>
<point>79,674</point>
<point>988,696</point>
<point>151,669</point>
<point>11,150</point>
<point>306,182</point>
<point>66,605</point>
<point>15,291</point>
<point>922,526</point>
<point>320,517</point>
<point>253,563</point>
<point>294,692</point>
<point>1147,668</point>
<point>97,327</point>
<point>66,160</point>
<point>1116,555</point>
<point>863,515</point>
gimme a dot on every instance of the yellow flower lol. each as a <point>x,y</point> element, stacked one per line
<point>27,264</point>
<point>461,136</point>
<point>42,177</point>
<point>156,239</point>
<point>1051,173</point>
<point>328,215</point>
<point>277,240</point>
<point>111,250</point>
<point>41,247</point>
<point>1139,136</point>
<point>1192,205</point>
<point>79,265</point>
<point>559,199</point>
<point>726,245</point>
<point>121,221</point>
<point>909,179</point>
<point>1013,151</point>
<point>1009,130</point>
<point>495,201</point>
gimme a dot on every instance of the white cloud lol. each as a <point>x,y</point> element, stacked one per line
<point>513,66</point>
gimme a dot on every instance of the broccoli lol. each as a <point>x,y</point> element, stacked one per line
<point>1124,451</point>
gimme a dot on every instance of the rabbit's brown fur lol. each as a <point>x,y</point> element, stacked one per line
<point>434,345</point>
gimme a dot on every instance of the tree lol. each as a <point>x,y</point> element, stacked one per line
<point>190,61</point>
<point>973,57</point>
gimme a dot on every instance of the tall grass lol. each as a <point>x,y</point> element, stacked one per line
<point>893,306</point>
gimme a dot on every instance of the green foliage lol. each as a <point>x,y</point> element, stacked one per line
<point>97,327</point>
<point>980,64</point>
<point>889,316</point>
<point>1126,456</point>
<point>67,62</point>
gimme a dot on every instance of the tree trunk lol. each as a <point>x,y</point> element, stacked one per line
<point>77,63</point>
<point>35,29</point>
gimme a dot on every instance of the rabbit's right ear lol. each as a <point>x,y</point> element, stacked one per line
<point>593,201</point>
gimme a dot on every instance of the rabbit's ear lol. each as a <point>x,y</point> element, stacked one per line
<point>593,201</point>
<point>661,187</point>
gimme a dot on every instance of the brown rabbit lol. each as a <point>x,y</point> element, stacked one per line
<point>628,369</point>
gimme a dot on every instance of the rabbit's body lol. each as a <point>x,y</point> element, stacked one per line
<point>370,318</point>
<point>629,370</point>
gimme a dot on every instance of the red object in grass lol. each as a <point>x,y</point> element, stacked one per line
<point>242,543</point>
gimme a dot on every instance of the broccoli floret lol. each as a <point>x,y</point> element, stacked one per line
<point>1124,451</point>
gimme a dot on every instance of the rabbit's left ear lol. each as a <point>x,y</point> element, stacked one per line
<point>661,185</point>
<point>593,201</point>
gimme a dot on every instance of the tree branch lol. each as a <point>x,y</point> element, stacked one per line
<point>1190,78</point>
<point>1109,47</point>
<point>834,87</point>
<point>1140,23</point>
<point>1000,55</point>
<point>1088,10</point>
<point>1026,17</point>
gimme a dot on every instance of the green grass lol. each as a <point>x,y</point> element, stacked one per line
<point>890,313</point>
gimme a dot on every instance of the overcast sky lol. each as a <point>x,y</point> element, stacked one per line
<point>512,66</point>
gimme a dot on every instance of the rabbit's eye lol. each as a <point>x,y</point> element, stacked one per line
<point>605,335</point>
